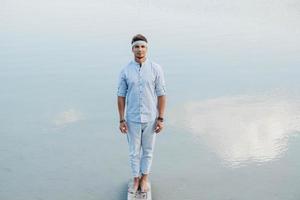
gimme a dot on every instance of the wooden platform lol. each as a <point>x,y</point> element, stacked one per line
<point>138,195</point>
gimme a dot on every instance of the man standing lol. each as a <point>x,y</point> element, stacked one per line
<point>141,90</point>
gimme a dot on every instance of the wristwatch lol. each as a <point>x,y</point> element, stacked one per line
<point>160,119</point>
<point>122,120</point>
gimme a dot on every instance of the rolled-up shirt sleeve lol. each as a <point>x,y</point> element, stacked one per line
<point>122,85</point>
<point>160,86</point>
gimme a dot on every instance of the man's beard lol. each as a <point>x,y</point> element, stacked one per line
<point>140,57</point>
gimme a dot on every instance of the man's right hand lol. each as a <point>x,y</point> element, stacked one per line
<point>123,127</point>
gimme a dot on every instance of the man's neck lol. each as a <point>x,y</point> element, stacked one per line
<point>140,60</point>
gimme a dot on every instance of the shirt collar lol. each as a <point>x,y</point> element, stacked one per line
<point>138,64</point>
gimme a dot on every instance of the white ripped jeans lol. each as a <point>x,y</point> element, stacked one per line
<point>141,141</point>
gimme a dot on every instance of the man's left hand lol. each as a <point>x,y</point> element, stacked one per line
<point>159,126</point>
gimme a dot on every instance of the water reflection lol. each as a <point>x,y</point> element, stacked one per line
<point>67,117</point>
<point>244,129</point>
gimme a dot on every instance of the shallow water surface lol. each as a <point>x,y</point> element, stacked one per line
<point>233,112</point>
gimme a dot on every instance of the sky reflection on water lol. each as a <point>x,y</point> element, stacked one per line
<point>59,65</point>
<point>244,128</point>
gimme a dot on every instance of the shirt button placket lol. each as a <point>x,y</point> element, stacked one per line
<point>140,85</point>
<point>140,92</point>
<point>141,102</point>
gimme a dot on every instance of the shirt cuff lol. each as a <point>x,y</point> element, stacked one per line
<point>120,94</point>
<point>160,92</point>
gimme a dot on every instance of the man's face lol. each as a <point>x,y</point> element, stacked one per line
<point>139,50</point>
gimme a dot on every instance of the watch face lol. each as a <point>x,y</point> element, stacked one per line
<point>160,119</point>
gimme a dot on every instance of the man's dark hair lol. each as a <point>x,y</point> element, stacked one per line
<point>138,37</point>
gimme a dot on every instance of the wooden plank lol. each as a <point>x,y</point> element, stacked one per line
<point>139,195</point>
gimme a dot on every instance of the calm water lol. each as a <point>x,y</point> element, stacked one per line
<point>233,114</point>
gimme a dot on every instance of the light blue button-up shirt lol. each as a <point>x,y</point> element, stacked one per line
<point>141,86</point>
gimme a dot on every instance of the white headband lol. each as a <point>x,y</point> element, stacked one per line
<point>140,42</point>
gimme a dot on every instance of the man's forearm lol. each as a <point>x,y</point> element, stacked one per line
<point>121,107</point>
<point>161,105</point>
